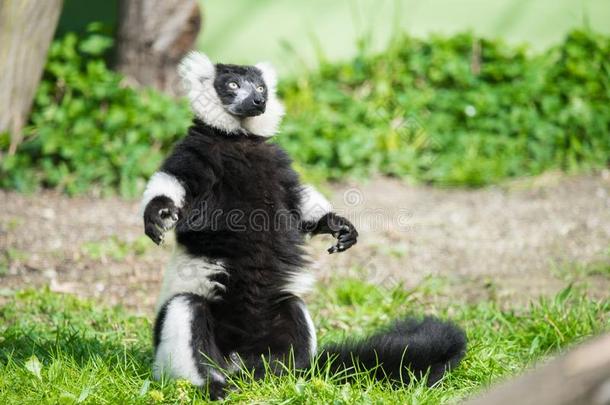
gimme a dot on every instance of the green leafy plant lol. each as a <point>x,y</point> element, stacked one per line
<point>447,111</point>
<point>88,129</point>
<point>455,111</point>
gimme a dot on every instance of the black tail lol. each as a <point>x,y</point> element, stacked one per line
<point>420,346</point>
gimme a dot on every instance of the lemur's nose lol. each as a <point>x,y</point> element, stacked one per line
<point>258,101</point>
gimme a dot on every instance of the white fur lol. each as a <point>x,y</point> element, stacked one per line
<point>174,354</point>
<point>163,184</point>
<point>313,340</point>
<point>189,274</point>
<point>198,74</point>
<point>299,283</point>
<point>313,204</point>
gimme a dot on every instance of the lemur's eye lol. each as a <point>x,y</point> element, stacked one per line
<point>260,89</point>
<point>233,85</point>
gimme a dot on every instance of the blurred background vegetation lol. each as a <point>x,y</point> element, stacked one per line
<point>290,32</point>
<point>435,92</point>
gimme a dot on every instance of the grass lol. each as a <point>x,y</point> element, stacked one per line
<point>61,349</point>
<point>115,248</point>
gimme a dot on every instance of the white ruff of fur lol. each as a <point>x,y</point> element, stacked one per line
<point>190,274</point>
<point>198,74</point>
<point>163,184</point>
<point>313,204</point>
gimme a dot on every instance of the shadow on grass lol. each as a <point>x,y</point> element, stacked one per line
<point>51,326</point>
<point>19,347</point>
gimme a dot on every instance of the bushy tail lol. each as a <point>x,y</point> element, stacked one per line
<point>407,348</point>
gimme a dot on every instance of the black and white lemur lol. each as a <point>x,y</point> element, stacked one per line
<point>231,295</point>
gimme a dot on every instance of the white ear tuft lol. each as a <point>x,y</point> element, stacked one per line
<point>269,74</point>
<point>198,74</point>
<point>196,66</point>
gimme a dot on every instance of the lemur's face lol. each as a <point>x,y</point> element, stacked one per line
<point>241,89</point>
<point>234,99</point>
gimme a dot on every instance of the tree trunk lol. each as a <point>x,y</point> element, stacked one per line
<point>153,36</point>
<point>26,30</point>
<point>582,376</point>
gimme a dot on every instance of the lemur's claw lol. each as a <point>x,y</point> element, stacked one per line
<point>347,236</point>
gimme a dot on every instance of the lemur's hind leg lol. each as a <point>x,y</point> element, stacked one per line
<point>290,340</point>
<point>185,344</point>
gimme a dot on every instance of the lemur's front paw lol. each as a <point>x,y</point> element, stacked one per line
<point>160,215</point>
<point>344,231</point>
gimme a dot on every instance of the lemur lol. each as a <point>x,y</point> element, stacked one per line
<point>231,295</point>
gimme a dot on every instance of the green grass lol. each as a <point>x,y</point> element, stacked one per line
<point>115,248</point>
<point>60,349</point>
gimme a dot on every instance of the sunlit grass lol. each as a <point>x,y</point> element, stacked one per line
<point>60,349</point>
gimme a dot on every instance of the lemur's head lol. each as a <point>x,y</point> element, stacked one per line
<point>241,89</point>
<point>233,98</point>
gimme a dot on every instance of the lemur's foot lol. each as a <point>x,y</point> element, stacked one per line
<point>160,215</point>
<point>217,390</point>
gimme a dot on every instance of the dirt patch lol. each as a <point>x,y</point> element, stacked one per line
<point>516,241</point>
<point>513,242</point>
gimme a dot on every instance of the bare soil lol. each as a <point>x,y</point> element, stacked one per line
<point>512,242</point>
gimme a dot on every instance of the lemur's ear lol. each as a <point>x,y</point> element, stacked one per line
<point>269,74</point>
<point>196,66</point>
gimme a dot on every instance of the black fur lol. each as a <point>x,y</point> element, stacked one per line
<point>285,341</point>
<point>159,324</point>
<point>204,343</point>
<point>419,347</point>
<point>241,207</point>
<point>242,196</point>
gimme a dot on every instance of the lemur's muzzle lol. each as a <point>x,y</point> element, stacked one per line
<point>254,105</point>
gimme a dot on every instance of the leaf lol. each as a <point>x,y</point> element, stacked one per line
<point>534,346</point>
<point>156,396</point>
<point>299,387</point>
<point>95,45</point>
<point>34,366</point>
<point>144,388</point>
<point>83,394</point>
<point>66,398</point>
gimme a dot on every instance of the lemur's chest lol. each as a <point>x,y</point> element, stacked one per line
<point>253,176</point>
<point>247,162</point>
